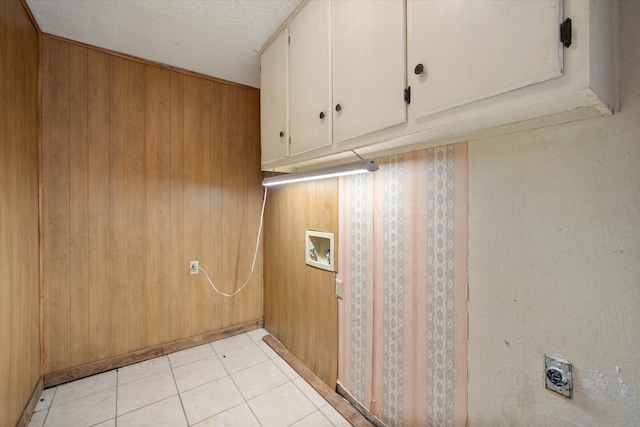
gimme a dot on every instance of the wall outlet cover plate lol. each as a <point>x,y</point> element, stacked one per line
<point>557,376</point>
<point>193,267</point>
<point>338,288</point>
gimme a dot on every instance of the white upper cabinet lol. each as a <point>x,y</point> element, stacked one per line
<point>310,78</point>
<point>484,68</point>
<point>464,51</point>
<point>274,100</point>
<point>369,67</point>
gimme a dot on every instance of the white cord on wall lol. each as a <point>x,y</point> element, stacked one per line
<point>255,255</point>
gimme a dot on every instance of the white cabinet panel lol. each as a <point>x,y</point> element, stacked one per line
<point>471,50</point>
<point>310,78</point>
<point>369,63</point>
<point>274,100</point>
<point>491,67</point>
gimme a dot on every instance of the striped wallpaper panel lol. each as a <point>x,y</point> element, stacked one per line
<point>403,260</point>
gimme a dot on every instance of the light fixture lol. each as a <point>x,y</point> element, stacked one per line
<point>361,166</point>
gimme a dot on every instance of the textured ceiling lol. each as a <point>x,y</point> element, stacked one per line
<point>219,38</point>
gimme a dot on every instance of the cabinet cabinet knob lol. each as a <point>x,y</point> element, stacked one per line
<point>338,107</point>
<point>281,134</point>
<point>322,114</point>
<point>419,69</point>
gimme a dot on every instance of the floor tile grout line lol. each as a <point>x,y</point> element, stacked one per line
<point>264,392</point>
<point>199,385</point>
<point>192,361</point>
<point>148,404</point>
<point>233,348</point>
<point>184,411</point>
<point>117,390</point>
<point>51,405</point>
<point>145,376</point>
<point>177,393</point>
<point>101,422</point>
<point>305,394</point>
<point>325,416</point>
<point>229,374</point>
<point>218,379</point>
<point>246,401</point>
<point>328,419</point>
<point>246,367</point>
<point>285,362</point>
<point>299,419</point>
<point>232,407</point>
<point>236,385</point>
<point>306,397</point>
<point>253,413</point>
<point>82,397</point>
<point>44,422</point>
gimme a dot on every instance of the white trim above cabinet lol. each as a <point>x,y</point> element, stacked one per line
<point>490,68</point>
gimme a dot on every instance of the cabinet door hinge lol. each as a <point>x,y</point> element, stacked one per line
<point>289,140</point>
<point>289,39</point>
<point>407,95</point>
<point>565,32</point>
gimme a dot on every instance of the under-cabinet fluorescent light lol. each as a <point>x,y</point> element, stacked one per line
<point>361,166</point>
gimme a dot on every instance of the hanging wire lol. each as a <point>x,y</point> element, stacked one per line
<point>255,255</point>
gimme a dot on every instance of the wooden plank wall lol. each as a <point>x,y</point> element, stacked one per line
<point>300,307</point>
<point>144,169</point>
<point>19,264</point>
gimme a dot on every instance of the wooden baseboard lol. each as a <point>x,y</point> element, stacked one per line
<point>71,374</point>
<point>359,406</point>
<point>334,399</point>
<point>24,419</point>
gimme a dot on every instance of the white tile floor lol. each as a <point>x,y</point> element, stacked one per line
<point>237,381</point>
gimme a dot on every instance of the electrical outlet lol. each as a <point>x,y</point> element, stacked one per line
<point>338,288</point>
<point>193,267</point>
<point>557,376</point>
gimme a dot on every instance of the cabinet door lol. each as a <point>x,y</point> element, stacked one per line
<point>310,78</point>
<point>471,50</point>
<point>369,55</point>
<point>274,100</point>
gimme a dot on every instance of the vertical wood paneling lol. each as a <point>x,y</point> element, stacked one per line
<point>142,167</point>
<point>243,211</point>
<point>45,166</point>
<point>254,197</point>
<point>56,227</point>
<point>19,264</point>
<point>135,194</point>
<point>197,173</point>
<point>218,140</point>
<point>237,264</point>
<point>119,332</point>
<point>247,207</point>
<point>300,308</point>
<point>99,239</point>
<point>158,205</point>
<point>230,201</point>
<point>78,206</point>
<point>178,259</point>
